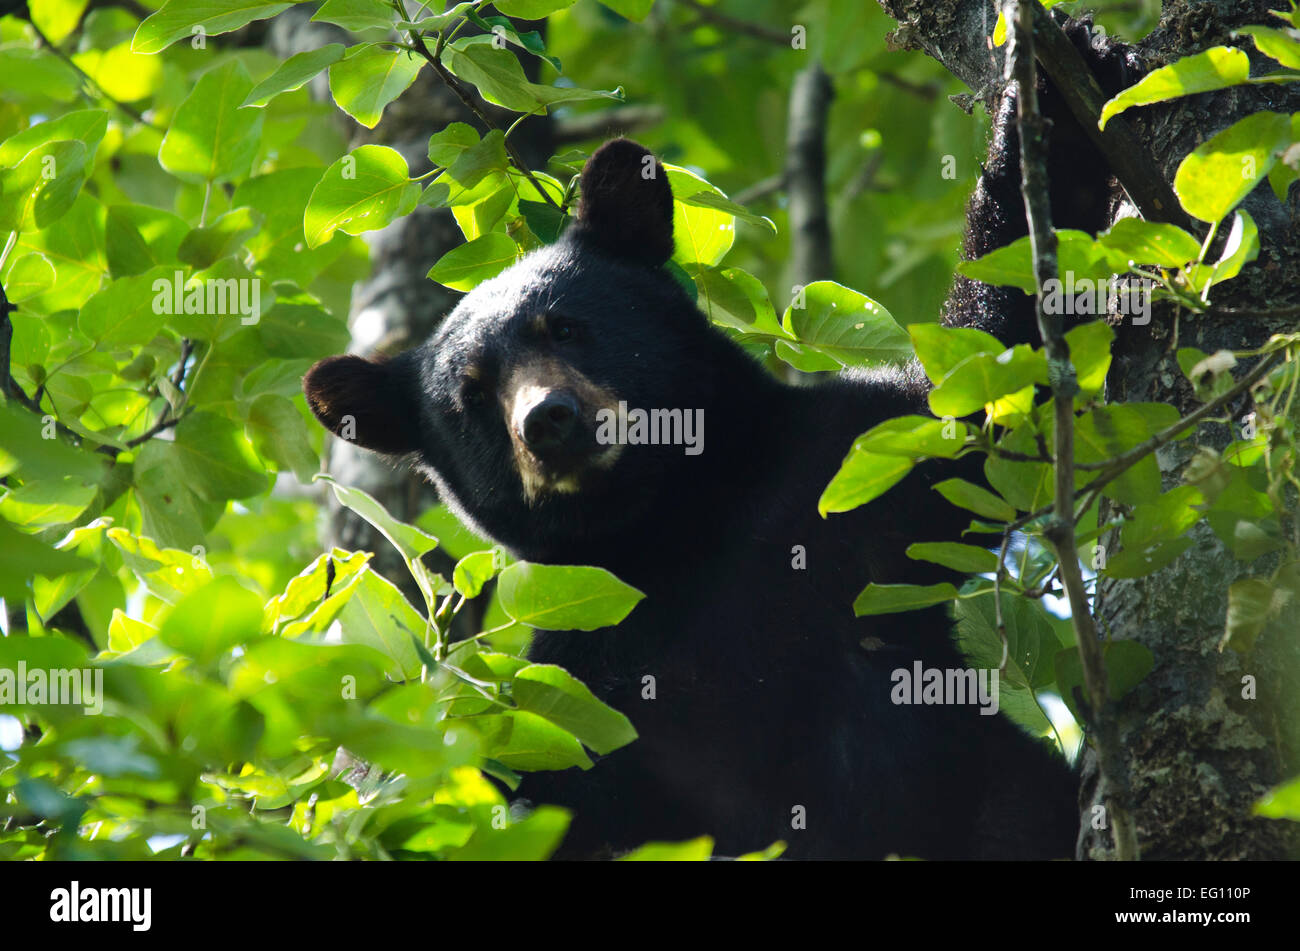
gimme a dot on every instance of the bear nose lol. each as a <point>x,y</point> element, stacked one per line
<point>550,422</point>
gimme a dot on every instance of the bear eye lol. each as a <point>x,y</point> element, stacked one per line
<point>472,394</point>
<point>562,329</point>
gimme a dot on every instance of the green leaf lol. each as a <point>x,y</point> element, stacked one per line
<point>122,314</point>
<point>30,276</point>
<point>1251,602</point>
<point>37,73</point>
<point>363,191</point>
<point>544,220</point>
<point>805,359</point>
<point>202,247</point>
<point>211,139</point>
<point>915,437</point>
<point>215,460</point>
<point>958,557</point>
<point>532,9</point>
<point>474,571</point>
<point>525,840</point>
<point>555,695</point>
<point>1221,172</point>
<point>701,235</point>
<point>1032,644</point>
<point>44,503</point>
<point>1275,44</point>
<point>84,125</point>
<point>448,145</point>
<point>731,297</point>
<point>324,576</point>
<point>356,15</point>
<point>1090,355</point>
<point>893,598</point>
<point>523,740</point>
<point>294,73</point>
<point>209,621</point>
<point>564,597</point>
<point>1079,257</point>
<point>530,40</point>
<point>378,615</point>
<point>279,433</point>
<point>43,186</point>
<point>1164,518</point>
<point>846,326</point>
<point>57,18</point>
<point>862,477</point>
<point>500,79</point>
<point>1141,560</point>
<point>636,10</point>
<point>719,202</point>
<point>1217,68</point>
<point>1104,432</point>
<point>407,539</point>
<point>982,378</point>
<point>1127,665</point>
<point>438,21</point>
<point>297,327</point>
<point>468,265</point>
<point>1240,249</point>
<point>1281,802</point>
<point>940,349</point>
<point>1151,242</point>
<point>179,18</point>
<point>369,78</point>
<point>975,499</point>
<point>692,850</point>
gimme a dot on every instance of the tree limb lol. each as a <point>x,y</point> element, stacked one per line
<point>805,176</point>
<point>1059,530</point>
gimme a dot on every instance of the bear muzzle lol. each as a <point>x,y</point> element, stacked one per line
<point>553,434</point>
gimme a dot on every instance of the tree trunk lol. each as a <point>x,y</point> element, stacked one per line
<point>1200,746</point>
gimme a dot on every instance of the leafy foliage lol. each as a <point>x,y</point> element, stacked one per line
<point>180,230</point>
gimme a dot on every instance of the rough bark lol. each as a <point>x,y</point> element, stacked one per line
<point>1199,755</point>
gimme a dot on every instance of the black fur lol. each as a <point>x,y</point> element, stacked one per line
<point>767,699</point>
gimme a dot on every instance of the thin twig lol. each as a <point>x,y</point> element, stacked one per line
<point>1059,530</point>
<point>130,111</point>
<point>760,189</point>
<point>455,85</point>
<point>735,24</point>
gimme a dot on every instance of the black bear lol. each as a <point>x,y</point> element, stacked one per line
<point>772,716</point>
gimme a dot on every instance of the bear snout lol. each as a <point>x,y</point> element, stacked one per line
<point>548,424</point>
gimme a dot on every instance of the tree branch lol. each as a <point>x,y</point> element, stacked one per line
<point>805,176</point>
<point>455,85</point>
<point>734,24</point>
<point>619,120</point>
<point>1059,531</point>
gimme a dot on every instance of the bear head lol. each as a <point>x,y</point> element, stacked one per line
<point>502,407</point>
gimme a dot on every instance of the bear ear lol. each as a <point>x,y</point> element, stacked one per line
<point>627,203</point>
<point>364,401</point>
